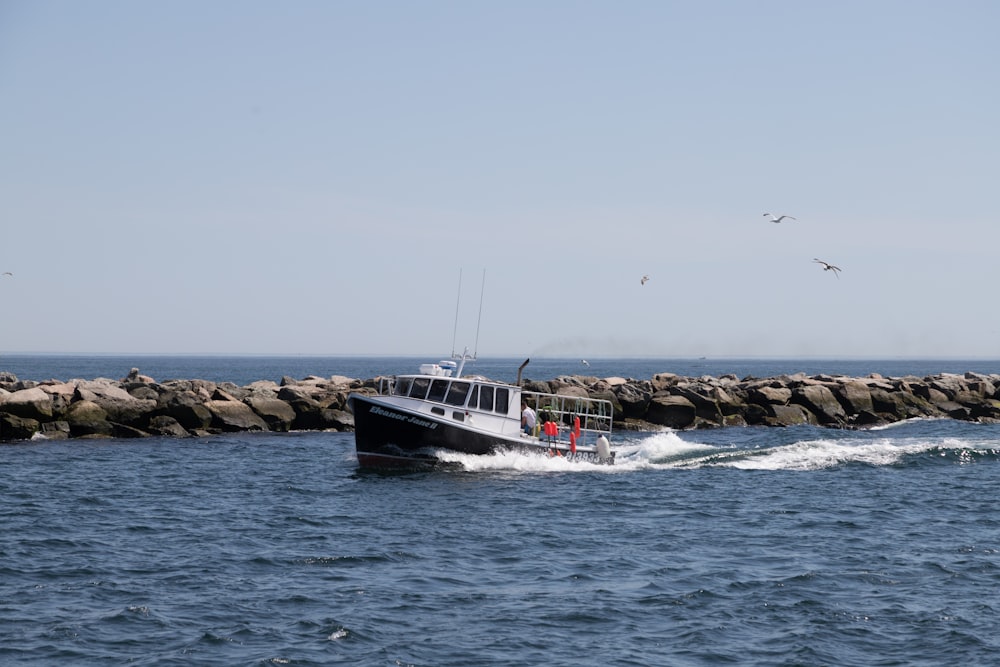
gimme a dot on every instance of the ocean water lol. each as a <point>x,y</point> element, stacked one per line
<point>244,370</point>
<point>748,546</point>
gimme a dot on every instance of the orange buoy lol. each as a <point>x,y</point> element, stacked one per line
<point>576,426</point>
<point>572,443</point>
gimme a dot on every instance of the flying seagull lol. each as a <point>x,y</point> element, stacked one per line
<point>8,273</point>
<point>585,362</point>
<point>778,218</point>
<point>828,267</point>
<point>644,279</point>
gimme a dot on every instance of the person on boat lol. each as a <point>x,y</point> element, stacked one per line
<point>527,418</point>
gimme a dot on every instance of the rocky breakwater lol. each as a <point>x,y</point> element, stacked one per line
<point>138,406</point>
<point>824,400</point>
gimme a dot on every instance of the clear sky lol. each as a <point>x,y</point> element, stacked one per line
<point>312,177</point>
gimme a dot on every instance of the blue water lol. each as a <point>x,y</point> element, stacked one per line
<point>243,370</point>
<point>748,546</point>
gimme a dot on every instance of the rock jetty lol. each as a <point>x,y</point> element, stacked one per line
<point>138,406</point>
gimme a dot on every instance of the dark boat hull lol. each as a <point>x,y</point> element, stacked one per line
<point>387,437</point>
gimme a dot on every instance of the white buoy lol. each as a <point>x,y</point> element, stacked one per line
<point>603,448</point>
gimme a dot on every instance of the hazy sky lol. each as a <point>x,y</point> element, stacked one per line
<point>313,177</point>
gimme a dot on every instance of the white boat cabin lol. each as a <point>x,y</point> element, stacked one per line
<point>495,407</point>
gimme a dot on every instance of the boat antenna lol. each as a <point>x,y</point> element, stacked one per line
<point>482,290</point>
<point>458,300</point>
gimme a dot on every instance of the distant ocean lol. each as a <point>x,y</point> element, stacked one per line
<point>246,369</point>
<point>747,546</point>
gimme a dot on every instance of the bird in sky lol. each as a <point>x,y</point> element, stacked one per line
<point>8,273</point>
<point>828,267</point>
<point>585,362</point>
<point>778,218</point>
<point>644,279</point>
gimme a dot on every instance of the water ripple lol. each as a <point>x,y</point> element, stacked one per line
<point>756,547</point>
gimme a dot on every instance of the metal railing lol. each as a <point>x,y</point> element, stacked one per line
<point>595,416</point>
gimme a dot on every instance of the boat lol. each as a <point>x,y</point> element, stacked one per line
<point>415,420</point>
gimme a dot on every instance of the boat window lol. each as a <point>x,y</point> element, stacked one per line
<point>503,398</point>
<point>438,389</point>
<point>457,393</point>
<point>485,398</point>
<point>419,388</point>
<point>402,386</point>
<point>474,396</point>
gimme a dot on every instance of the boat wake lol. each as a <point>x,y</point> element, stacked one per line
<point>672,450</point>
<point>669,450</point>
<point>513,461</point>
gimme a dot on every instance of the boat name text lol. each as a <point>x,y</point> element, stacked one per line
<point>406,418</point>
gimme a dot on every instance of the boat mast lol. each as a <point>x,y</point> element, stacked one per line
<point>482,290</point>
<point>465,353</point>
<point>458,301</point>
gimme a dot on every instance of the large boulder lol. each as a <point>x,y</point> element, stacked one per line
<point>166,426</point>
<point>277,414</point>
<point>87,418</point>
<point>887,403</point>
<point>32,403</point>
<point>85,412</point>
<point>789,415</point>
<point>981,385</point>
<point>185,406</point>
<point>633,399</point>
<point>13,427</point>
<point>729,404</point>
<point>819,400</point>
<point>663,381</point>
<point>930,394</point>
<point>55,430</point>
<point>704,405</point>
<point>768,395</point>
<point>986,410</point>
<point>854,396</point>
<point>234,416</point>
<point>673,411</point>
<point>120,405</point>
<point>338,420</point>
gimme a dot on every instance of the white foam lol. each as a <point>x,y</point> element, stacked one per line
<point>823,453</point>
<point>519,462</point>
<point>667,449</point>
<point>820,454</point>
<point>902,422</point>
<point>663,448</point>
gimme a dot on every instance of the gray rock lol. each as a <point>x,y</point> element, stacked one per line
<point>854,396</point>
<point>820,401</point>
<point>166,426</point>
<point>673,411</point>
<point>234,416</point>
<point>31,403</point>
<point>633,399</point>
<point>13,427</point>
<point>55,430</point>
<point>790,415</point>
<point>187,407</point>
<point>277,414</point>
<point>768,395</point>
